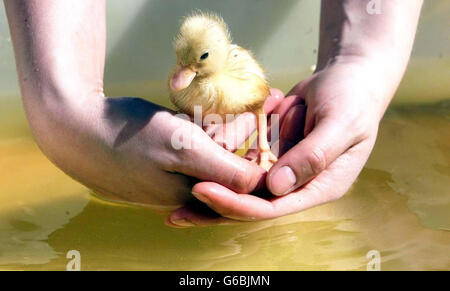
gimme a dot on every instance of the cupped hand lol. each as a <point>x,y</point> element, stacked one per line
<point>162,154</point>
<point>344,104</point>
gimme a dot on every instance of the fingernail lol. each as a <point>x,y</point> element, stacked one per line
<point>202,198</point>
<point>282,181</point>
<point>182,222</point>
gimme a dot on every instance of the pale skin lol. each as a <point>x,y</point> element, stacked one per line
<point>361,61</point>
<point>121,147</point>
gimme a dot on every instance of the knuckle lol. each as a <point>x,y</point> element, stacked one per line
<point>360,129</point>
<point>358,124</point>
<point>317,160</point>
<point>241,182</point>
<point>179,160</point>
<point>172,162</point>
<point>245,180</point>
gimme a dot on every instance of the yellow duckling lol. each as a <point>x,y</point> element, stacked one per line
<point>219,76</point>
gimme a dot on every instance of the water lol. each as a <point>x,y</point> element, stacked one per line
<point>400,206</point>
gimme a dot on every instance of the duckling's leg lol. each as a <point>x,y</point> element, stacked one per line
<point>266,158</point>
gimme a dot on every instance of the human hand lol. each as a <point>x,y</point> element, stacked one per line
<point>119,147</point>
<point>345,103</point>
<point>162,154</point>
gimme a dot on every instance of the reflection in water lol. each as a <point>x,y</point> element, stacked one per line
<point>35,200</point>
<point>414,146</point>
<point>399,206</point>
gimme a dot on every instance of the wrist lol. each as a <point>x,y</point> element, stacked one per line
<point>349,34</point>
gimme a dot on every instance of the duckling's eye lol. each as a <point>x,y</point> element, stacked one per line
<point>204,56</point>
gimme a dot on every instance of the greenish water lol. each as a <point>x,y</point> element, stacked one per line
<point>400,206</point>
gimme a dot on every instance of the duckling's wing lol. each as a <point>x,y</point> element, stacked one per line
<point>241,61</point>
<point>243,85</point>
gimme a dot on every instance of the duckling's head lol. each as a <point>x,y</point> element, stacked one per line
<point>201,47</point>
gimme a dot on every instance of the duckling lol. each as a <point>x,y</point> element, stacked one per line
<point>221,77</point>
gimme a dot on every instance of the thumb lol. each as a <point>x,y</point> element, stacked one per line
<point>309,157</point>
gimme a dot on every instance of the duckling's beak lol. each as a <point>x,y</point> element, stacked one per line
<point>182,78</point>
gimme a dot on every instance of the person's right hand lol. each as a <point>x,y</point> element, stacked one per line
<point>119,147</point>
<point>156,171</point>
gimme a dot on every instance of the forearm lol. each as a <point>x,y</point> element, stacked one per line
<point>59,48</point>
<point>349,33</point>
<point>60,51</point>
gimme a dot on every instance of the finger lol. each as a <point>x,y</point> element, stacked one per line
<point>330,184</point>
<point>275,98</point>
<point>244,207</point>
<point>326,187</point>
<point>291,131</point>
<point>233,134</point>
<point>229,204</point>
<point>189,216</point>
<point>279,114</point>
<point>207,161</point>
<point>310,157</point>
<point>283,107</point>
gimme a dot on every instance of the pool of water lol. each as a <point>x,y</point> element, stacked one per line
<point>399,206</point>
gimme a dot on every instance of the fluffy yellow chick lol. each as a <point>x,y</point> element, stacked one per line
<point>219,76</point>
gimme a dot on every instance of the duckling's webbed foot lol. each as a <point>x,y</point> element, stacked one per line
<point>266,159</point>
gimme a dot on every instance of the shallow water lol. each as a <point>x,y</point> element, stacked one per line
<point>400,206</point>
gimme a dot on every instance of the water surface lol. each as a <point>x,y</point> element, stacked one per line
<point>400,206</point>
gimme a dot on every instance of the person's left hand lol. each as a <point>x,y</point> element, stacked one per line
<point>345,105</point>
